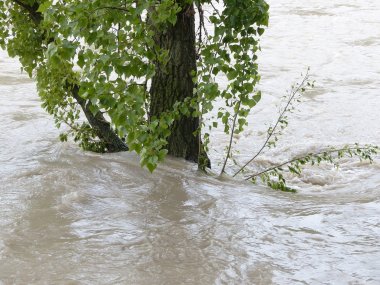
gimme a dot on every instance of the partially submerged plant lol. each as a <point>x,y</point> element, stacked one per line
<point>274,176</point>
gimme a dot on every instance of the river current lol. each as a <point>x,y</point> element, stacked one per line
<point>73,217</point>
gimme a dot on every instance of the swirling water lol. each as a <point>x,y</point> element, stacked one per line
<point>70,217</point>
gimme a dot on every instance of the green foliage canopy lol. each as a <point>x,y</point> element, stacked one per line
<point>104,50</point>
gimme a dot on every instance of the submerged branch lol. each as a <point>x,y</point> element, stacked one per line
<point>362,152</point>
<point>98,123</point>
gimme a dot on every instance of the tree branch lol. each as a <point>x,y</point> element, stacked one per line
<point>326,151</point>
<point>231,138</point>
<point>99,124</point>
<point>279,119</point>
<point>32,10</point>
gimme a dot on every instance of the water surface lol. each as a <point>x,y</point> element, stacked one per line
<point>70,217</point>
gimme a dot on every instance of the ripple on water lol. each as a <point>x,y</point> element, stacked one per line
<point>70,217</point>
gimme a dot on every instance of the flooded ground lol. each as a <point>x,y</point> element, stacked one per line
<point>70,217</point>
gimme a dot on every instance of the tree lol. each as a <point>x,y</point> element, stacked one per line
<point>139,75</point>
<point>137,70</point>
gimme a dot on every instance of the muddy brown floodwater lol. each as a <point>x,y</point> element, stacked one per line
<point>72,217</point>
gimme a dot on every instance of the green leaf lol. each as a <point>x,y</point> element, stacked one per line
<point>44,6</point>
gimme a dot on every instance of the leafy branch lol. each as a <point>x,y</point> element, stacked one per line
<point>281,120</point>
<point>274,178</point>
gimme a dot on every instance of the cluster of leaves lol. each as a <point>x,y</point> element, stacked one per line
<point>231,52</point>
<point>275,131</point>
<point>111,43</point>
<point>107,50</point>
<point>100,56</point>
<point>21,34</point>
<point>274,176</point>
<point>85,136</point>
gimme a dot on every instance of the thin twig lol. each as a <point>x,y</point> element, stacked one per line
<point>231,138</point>
<point>111,8</point>
<point>201,27</point>
<point>216,10</point>
<point>294,92</point>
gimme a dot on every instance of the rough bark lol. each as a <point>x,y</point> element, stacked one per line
<point>173,82</point>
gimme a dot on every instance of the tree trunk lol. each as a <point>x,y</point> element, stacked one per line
<point>173,83</point>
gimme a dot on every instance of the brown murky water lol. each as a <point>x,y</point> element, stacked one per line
<point>69,217</point>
